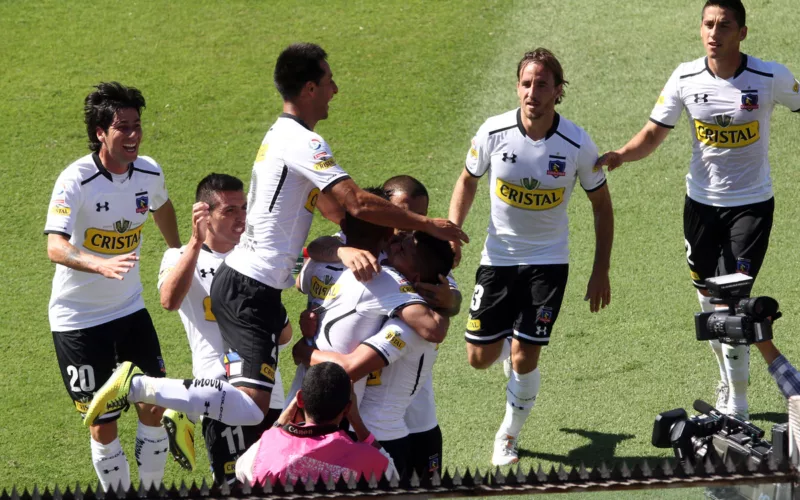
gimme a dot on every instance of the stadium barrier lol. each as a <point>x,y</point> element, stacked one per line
<point>620,477</point>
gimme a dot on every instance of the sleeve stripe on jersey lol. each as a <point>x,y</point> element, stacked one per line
<point>385,359</point>
<point>693,74</point>
<point>149,172</point>
<point>568,139</point>
<point>284,173</point>
<point>90,179</point>
<point>470,173</point>
<point>768,75</point>
<point>596,187</point>
<point>67,236</point>
<point>397,309</point>
<point>662,124</point>
<point>327,189</point>
<point>502,129</point>
<point>419,372</point>
<point>327,331</point>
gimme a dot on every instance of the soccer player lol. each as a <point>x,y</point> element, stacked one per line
<point>389,392</point>
<point>294,167</point>
<point>534,157</point>
<point>727,218</point>
<point>94,227</point>
<point>184,281</point>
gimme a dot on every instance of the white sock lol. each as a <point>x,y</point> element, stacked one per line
<point>152,448</point>
<point>211,398</point>
<point>505,352</point>
<point>737,365</point>
<point>111,465</point>
<point>520,397</point>
<point>707,306</point>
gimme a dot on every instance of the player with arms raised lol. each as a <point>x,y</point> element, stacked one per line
<point>533,157</point>
<point>728,97</point>
<point>94,228</point>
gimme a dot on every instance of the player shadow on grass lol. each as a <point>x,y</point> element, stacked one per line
<point>771,416</point>
<point>601,449</point>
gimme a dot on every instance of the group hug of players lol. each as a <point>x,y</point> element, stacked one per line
<point>380,292</point>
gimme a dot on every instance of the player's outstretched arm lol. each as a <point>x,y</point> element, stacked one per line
<point>330,249</point>
<point>358,364</point>
<point>371,208</point>
<point>174,287</point>
<point>598,292</point>
<point>460,203</point>
<point>640,146</point>
<point>61,251</point>
<point>167,223</point>
<point>428,324</point>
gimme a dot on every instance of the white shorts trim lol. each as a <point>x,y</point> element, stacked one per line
<point>488,339</point>
<point>531,338</point>
<point>268,385</point>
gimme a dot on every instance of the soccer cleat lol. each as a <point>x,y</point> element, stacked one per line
<point>180,431</point>
<point>113,395</point>
<point>722,397</point>
<point>505,450</point>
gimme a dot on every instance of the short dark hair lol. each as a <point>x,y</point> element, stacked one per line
<point>405,184</point>
<point>548,60</point>
<point>326,392</point>
<point>297,65</point>
<point>734,6</point>
<point>358,230</point>
<point>434,257</point>
<point>100,106</point>
<point>213,183</point>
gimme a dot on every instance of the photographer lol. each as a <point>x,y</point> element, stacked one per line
<point>786,376</point>
<point>317,447</point>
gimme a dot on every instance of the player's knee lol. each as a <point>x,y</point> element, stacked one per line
<point>104,433</point>
<point>149,414</point>
<point>479,358</point>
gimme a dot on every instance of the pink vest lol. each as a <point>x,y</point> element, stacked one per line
<point>293,452</point>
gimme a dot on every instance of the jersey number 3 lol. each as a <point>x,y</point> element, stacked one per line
<point>476,298</point>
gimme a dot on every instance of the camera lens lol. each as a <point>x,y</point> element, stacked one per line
<point>758,307</point>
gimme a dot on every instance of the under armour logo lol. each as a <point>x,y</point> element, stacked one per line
<point>203,272</point>
<point>512,158</point>
<point>207,405</point>
<point>158,452</point>
<point>102,206</point>
<point>734,357</point>
<point>541,330</point>
<point>106,471</point>
<point>700,98</point>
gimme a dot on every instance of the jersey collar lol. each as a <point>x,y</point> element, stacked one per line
<point>298,120</point>
<point>104,171</point>
<point>739,70</point>
<point>550,132</point>
<point>205,247</point>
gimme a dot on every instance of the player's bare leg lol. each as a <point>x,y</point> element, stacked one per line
<point>482,356</point>
<point>108,458</point>
<point>521,392</point>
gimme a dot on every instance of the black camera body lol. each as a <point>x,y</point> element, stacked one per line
<point>714,434</point>
<point>746,321</point>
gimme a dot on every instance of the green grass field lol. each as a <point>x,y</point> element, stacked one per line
<point>416,80</point>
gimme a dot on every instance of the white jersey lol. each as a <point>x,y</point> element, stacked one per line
<point>202,331</point>
<point>318,281</point>
<point>729,122</point>
<point>102,215</point>
<point>530,185</point>
<point>409,363</point>
<point>291,168</point>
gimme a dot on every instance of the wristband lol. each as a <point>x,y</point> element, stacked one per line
<point>370,439</point>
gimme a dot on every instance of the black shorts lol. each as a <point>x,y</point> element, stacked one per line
<point>250,317</point>
<point>225,443</point>
<point>725,240</point>
<point>398,449</point>
<point>87,357</point>
<point>522,301</point>
<point>425,452</point>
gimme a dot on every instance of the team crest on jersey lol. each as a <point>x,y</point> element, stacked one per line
<point>527,196</point>
<point>743,266</point>
<point>141,203</point>
<point>544,315</point>
<point>749,100</point>
<point>557,166</point>
<point>121,240</point>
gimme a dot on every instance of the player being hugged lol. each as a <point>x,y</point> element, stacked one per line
<point>94,229</point>
<point>533,157</point>
<point>727,217</point>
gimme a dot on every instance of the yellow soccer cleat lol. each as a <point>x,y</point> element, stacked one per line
<point>180,431</point>
<point>113,395</point>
